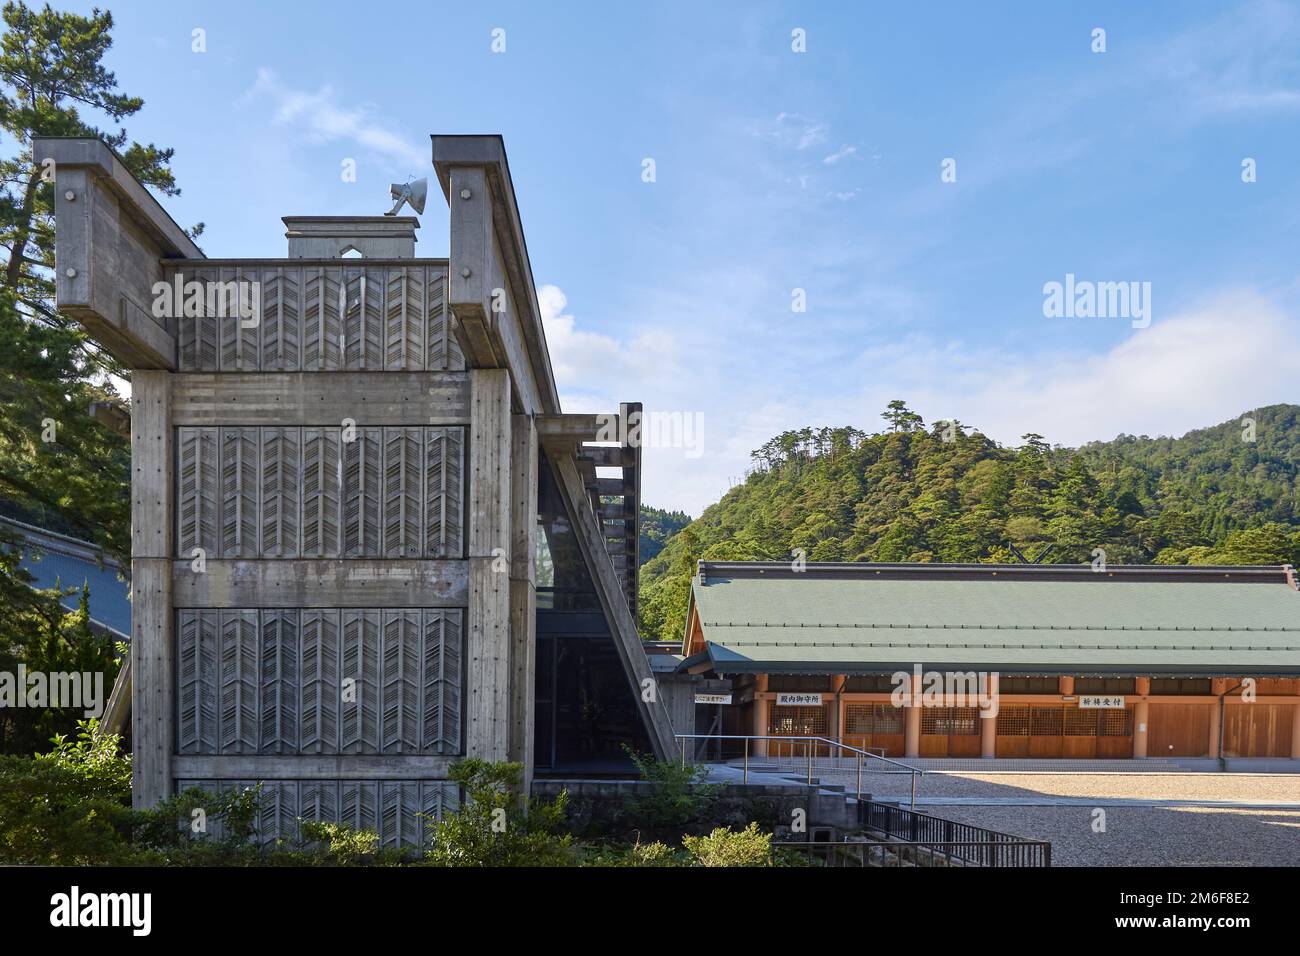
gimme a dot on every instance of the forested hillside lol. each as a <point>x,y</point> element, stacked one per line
<point>657,526</point>
<point>1221,495</point>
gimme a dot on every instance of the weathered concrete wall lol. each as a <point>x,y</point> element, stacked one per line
<point>601,807</point>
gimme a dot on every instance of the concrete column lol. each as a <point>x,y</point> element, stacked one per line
<point>523,590</point>
<point>489,669</point>
<point>989,720</point>
<point>153,671</point>
<point>912,723</point>
<point>759,747</point>
<point>1066,686</point>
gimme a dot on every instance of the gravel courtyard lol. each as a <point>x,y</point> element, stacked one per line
<point>1149,836</point>
<point>1135,834</point>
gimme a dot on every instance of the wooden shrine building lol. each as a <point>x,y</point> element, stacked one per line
<point>1127,662</point>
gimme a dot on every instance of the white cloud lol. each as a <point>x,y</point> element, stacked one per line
<point>591,366</point>
<point>842,153</point>
<point>1236,352</point>
<point>325,120</point>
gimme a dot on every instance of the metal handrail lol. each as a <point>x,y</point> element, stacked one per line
<point>914,771</point>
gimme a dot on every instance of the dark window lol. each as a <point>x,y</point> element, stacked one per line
<point>1105,685</point>
<point>795,682</point>
<point>797,721</point>
<point>1029,685</point>
<point>873,719</point>
<point>1013,721</point>
<point>586,707</point>
<point>1180,685</point>
<point>870,684</point>
<point>950,721</point>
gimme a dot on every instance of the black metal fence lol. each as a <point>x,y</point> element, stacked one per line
<point>976,846</point>
<point>898,853</point>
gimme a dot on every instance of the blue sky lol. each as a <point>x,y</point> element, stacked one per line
<point>778,170</point>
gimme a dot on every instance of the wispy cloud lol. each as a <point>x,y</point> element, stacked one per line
<point>844,152</point>
<point>793,129</point>
<point>323,118</point>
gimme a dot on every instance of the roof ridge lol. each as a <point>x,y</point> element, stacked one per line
<point>1007,627</point>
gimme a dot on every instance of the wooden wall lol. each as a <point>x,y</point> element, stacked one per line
<point>1257,730</point>
<point>1178,730</point>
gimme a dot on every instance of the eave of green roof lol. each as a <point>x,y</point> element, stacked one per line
<point>863,623</point>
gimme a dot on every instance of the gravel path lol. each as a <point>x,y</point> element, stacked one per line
<point>1172,786</point>
<point>1144,836</point>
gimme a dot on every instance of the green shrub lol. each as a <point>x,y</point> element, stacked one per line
<point>198,828</point>
<point>676,797</point>
<point>336,844</point>
<point>70,807</point>
<point>724,847</point>
<point>497,826</point>
<point>638,854</point>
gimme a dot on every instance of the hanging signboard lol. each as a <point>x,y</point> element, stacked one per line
<point>713,698</point>
<point>1093,703</point>
<point>798,700</point>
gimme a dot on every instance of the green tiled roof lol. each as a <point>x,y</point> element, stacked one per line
<point>865,618</point>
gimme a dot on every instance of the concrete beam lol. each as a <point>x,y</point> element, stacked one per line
<point>574,428</point>
<point>491,290</point>
<point>310,767</point>
<point>311,398</point>
<point>110,234</point>
<point>370,582</point>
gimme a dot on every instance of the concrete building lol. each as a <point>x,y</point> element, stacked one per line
<point>1129,662</point>
<point>366,540</point>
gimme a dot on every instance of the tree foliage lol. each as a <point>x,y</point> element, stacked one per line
<point>657,526</point>
<point>949,493</point>
<point>37,631</point>
<point>59,468</point>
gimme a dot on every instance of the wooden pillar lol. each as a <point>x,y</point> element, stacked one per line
<point>835,725</point>
<point>761,706</point>
<point>1295,730</point>
<point>488,709</point>
<point>912,722</point>
<point>152,644</point>
<point>523,590</point>
<point>1141,716</point>
<point>989,719</point>
<point>1212,735</point>
<point>1066,686</point>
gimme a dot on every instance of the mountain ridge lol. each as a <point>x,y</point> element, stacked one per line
<point>1226,493</point>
